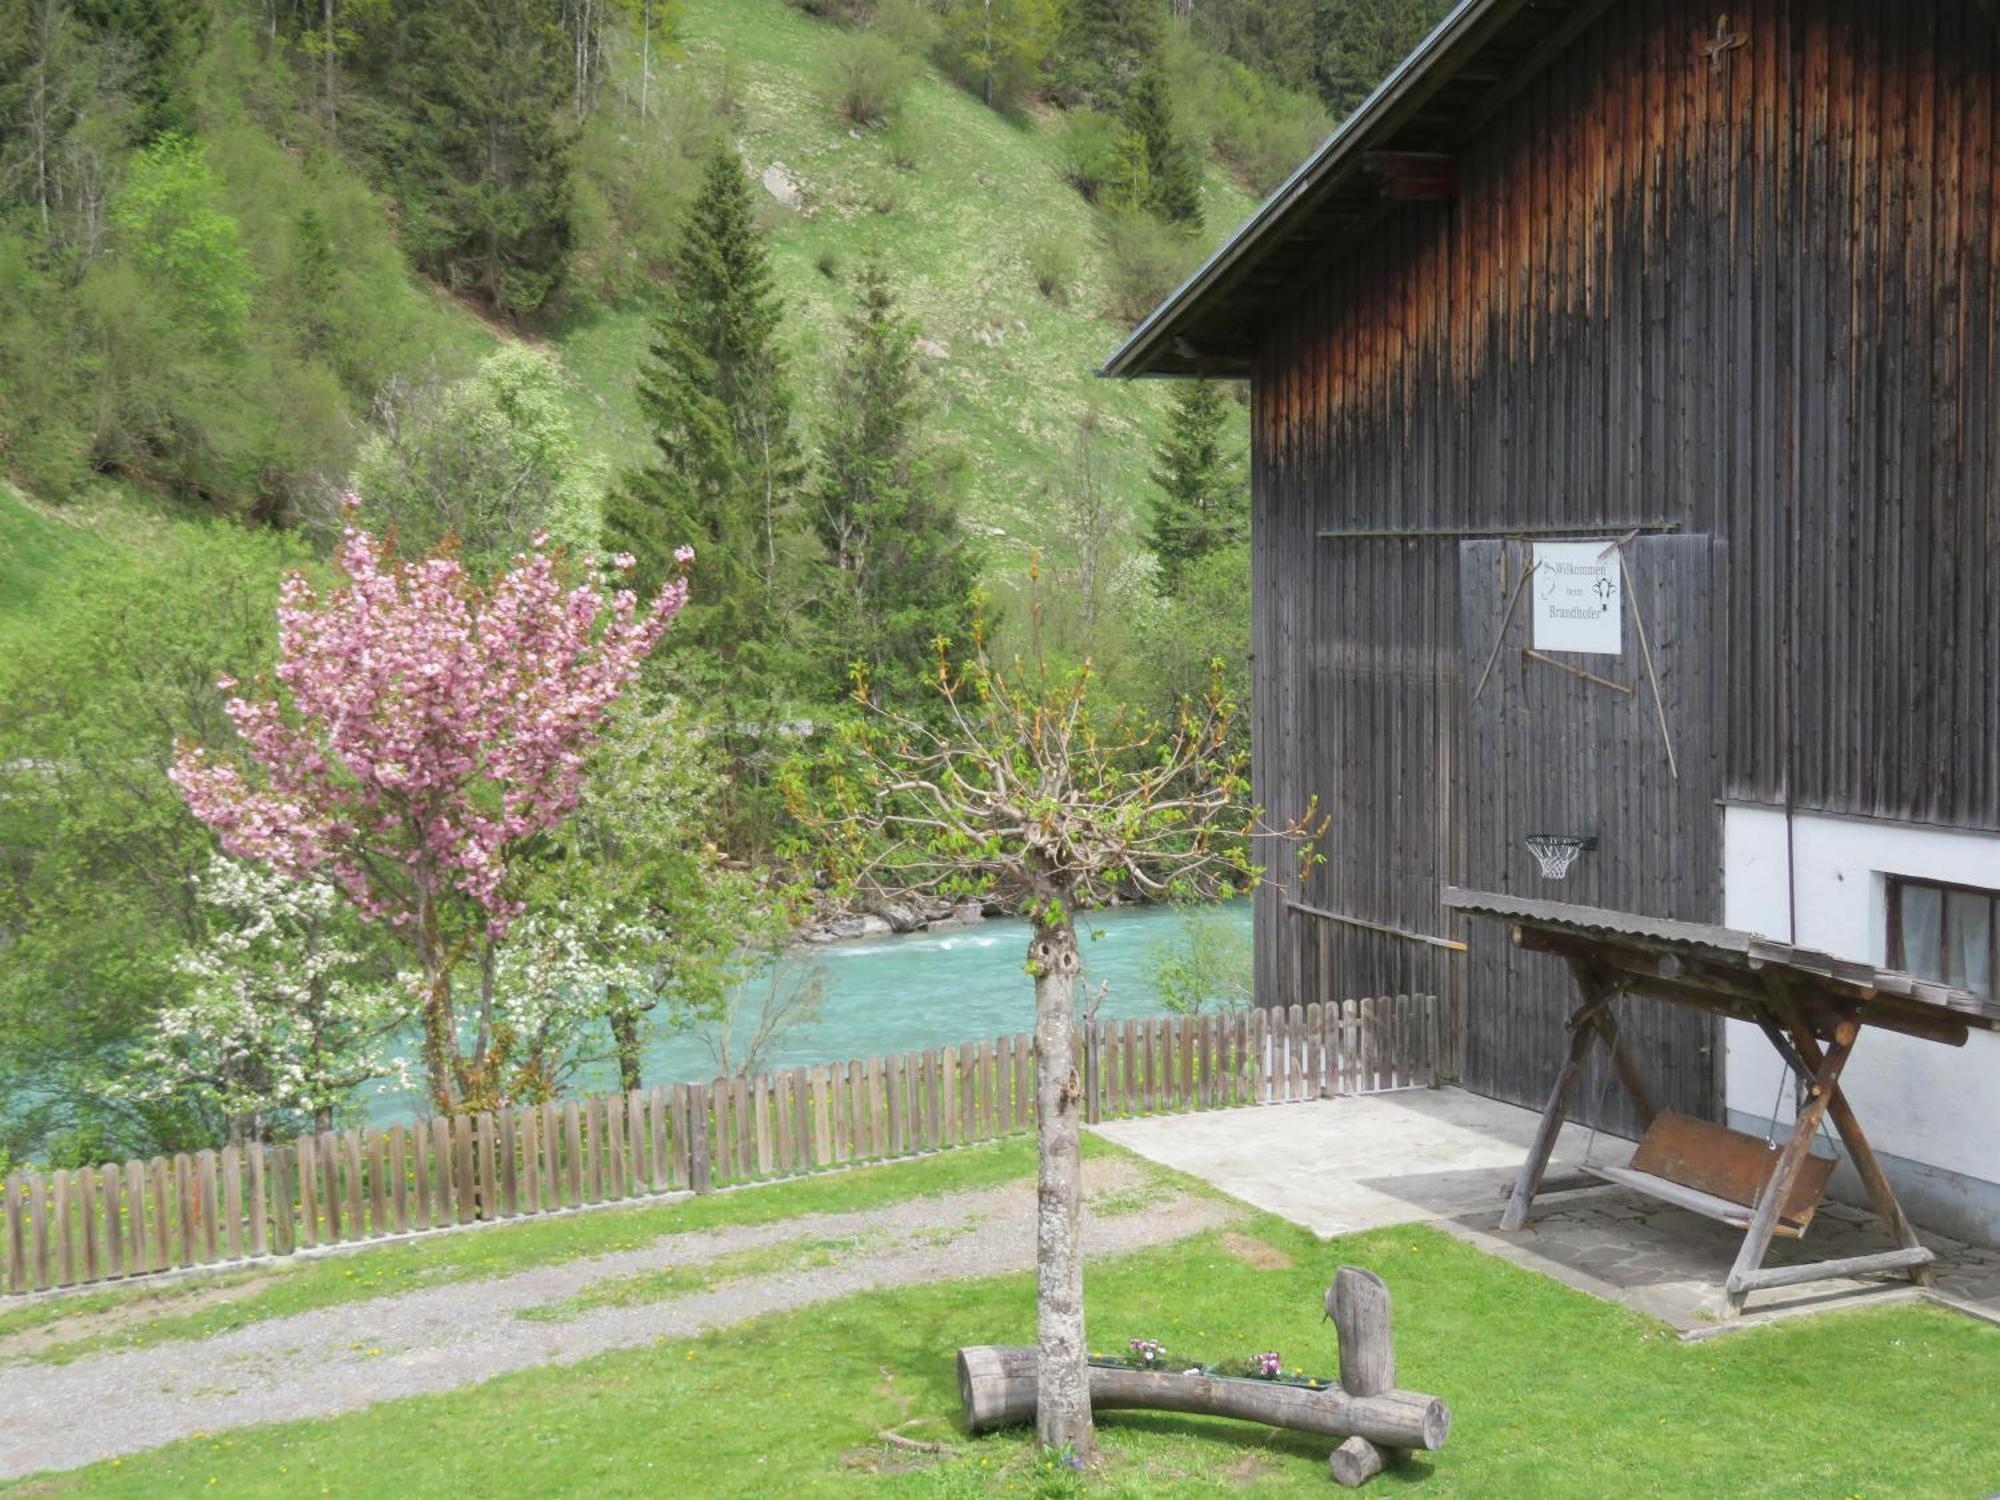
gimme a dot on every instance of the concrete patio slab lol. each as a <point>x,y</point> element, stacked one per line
<point>1357,1162</point>
<point>1446,1157</point>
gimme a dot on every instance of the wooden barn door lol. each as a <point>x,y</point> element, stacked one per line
<point>1549,750</point>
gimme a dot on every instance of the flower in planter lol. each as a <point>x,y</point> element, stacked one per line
<point>1148,1352</point>
<point>1268,1365</point>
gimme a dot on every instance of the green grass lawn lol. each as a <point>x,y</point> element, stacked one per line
<point>194,1307</point>
<point>1554,1393</point>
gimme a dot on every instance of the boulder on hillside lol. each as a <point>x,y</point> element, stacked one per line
<point>781,183</point>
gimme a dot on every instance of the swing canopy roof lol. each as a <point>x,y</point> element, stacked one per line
<point>1732,973</point>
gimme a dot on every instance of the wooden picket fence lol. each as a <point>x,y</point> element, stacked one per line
<point>94,1224</point>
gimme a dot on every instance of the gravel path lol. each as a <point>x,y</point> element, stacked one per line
<point>338,1359</point>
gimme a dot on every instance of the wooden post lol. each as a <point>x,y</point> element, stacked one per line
<point>1859,1152</point>
<point>640,1159</point>
<point>746,1137</point>
<point>786,1099</point>
<point>809,1131</point>
<point>611,1120</point>
<point>308,1164</point>
<point>211,1206</point>
<point>572,1138</point>
<point>698,1162</point>
<point>1778,1187</point>
<point>441,1210</point>
<point>510,1162</point>
<point>356,1227</point>
<point>1630,1075</point>
<point>531,1160</point>
<point>284,1224</point>
<point>135,1208</point>
<point>232,1203</point>
<point>1432,1066</point>
<point>111,1178</point>
<point>656,1114</point>
<point>591,1120</point>
<point>679,1106</point>
<point>17,1233</point>
<point>1026,1071</point>
<point>1358,1303</point>
<point>38,1216</point>
<point>760,1103</point>
<point>1582,1032</point>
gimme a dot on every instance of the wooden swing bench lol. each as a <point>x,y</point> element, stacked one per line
<point>1811,1006</point>
<point>1716,1172</point>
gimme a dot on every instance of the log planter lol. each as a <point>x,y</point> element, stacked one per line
<point>1378,1422</point>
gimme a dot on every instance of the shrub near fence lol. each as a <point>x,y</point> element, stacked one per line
<point>71,1228</point>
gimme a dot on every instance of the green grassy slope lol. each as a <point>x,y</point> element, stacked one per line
<point>1013,369</point>
<point>36,547</point>
<point>1016,370</point>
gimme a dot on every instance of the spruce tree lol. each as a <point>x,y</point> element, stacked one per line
<point>903,572</point>
<point>1106,45</point>
<point>1201,503</point>
<point>162,41</point>
<point>1172,170</point>
<point>689,494</point>
<point>486,163</point>
<point>724,478</point>
<point>726,305</point>
<point>315,279</point>
<point>1360,41</point>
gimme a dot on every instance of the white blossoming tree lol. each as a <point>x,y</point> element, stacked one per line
<point>284,1017</point>
<point>562,972</point>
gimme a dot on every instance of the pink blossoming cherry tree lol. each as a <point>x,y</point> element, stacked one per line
<point>422,731</point>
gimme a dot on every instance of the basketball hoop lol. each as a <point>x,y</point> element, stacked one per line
<point>1556,852</point>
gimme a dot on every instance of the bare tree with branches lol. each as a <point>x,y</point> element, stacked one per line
<point>1021,785</point>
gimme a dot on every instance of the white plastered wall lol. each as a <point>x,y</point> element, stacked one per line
<point>1932,1112</point>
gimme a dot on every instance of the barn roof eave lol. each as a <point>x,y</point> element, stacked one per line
<point>1157,347</point>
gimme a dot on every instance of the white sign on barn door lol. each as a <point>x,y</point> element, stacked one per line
<point>1579,603</point>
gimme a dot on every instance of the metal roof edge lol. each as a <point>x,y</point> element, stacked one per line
<point>1304,177</point>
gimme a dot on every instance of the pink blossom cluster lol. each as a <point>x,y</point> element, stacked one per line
<point>423,726</point>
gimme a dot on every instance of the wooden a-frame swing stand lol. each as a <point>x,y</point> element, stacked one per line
<point>1811,1006</point>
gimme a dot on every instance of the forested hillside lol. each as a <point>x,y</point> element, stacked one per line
<point>816,286</point>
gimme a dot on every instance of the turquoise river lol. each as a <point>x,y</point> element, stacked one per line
<point>922,989</point>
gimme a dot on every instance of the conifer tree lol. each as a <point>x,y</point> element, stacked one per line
<point>486,162</point>
<point>1201,503</point>
<point>903,572</point>
<point>162,40</point>
<point>1360,41</point>
<point>691,489</point>
<point>726,306</point>
<point>1172,169</point>
<point>725,475</point>
<point>1106,44</point>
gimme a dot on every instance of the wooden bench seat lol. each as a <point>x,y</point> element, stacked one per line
<point>1716,1172</point>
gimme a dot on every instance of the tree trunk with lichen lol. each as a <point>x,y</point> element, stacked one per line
<point>1062,1362</point>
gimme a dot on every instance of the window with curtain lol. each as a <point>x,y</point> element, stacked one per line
<point>1945,932</point>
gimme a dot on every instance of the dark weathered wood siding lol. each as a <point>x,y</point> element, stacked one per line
<point>1750,291</point>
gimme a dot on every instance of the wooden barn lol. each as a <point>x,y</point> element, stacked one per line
<point>1626,455</point>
